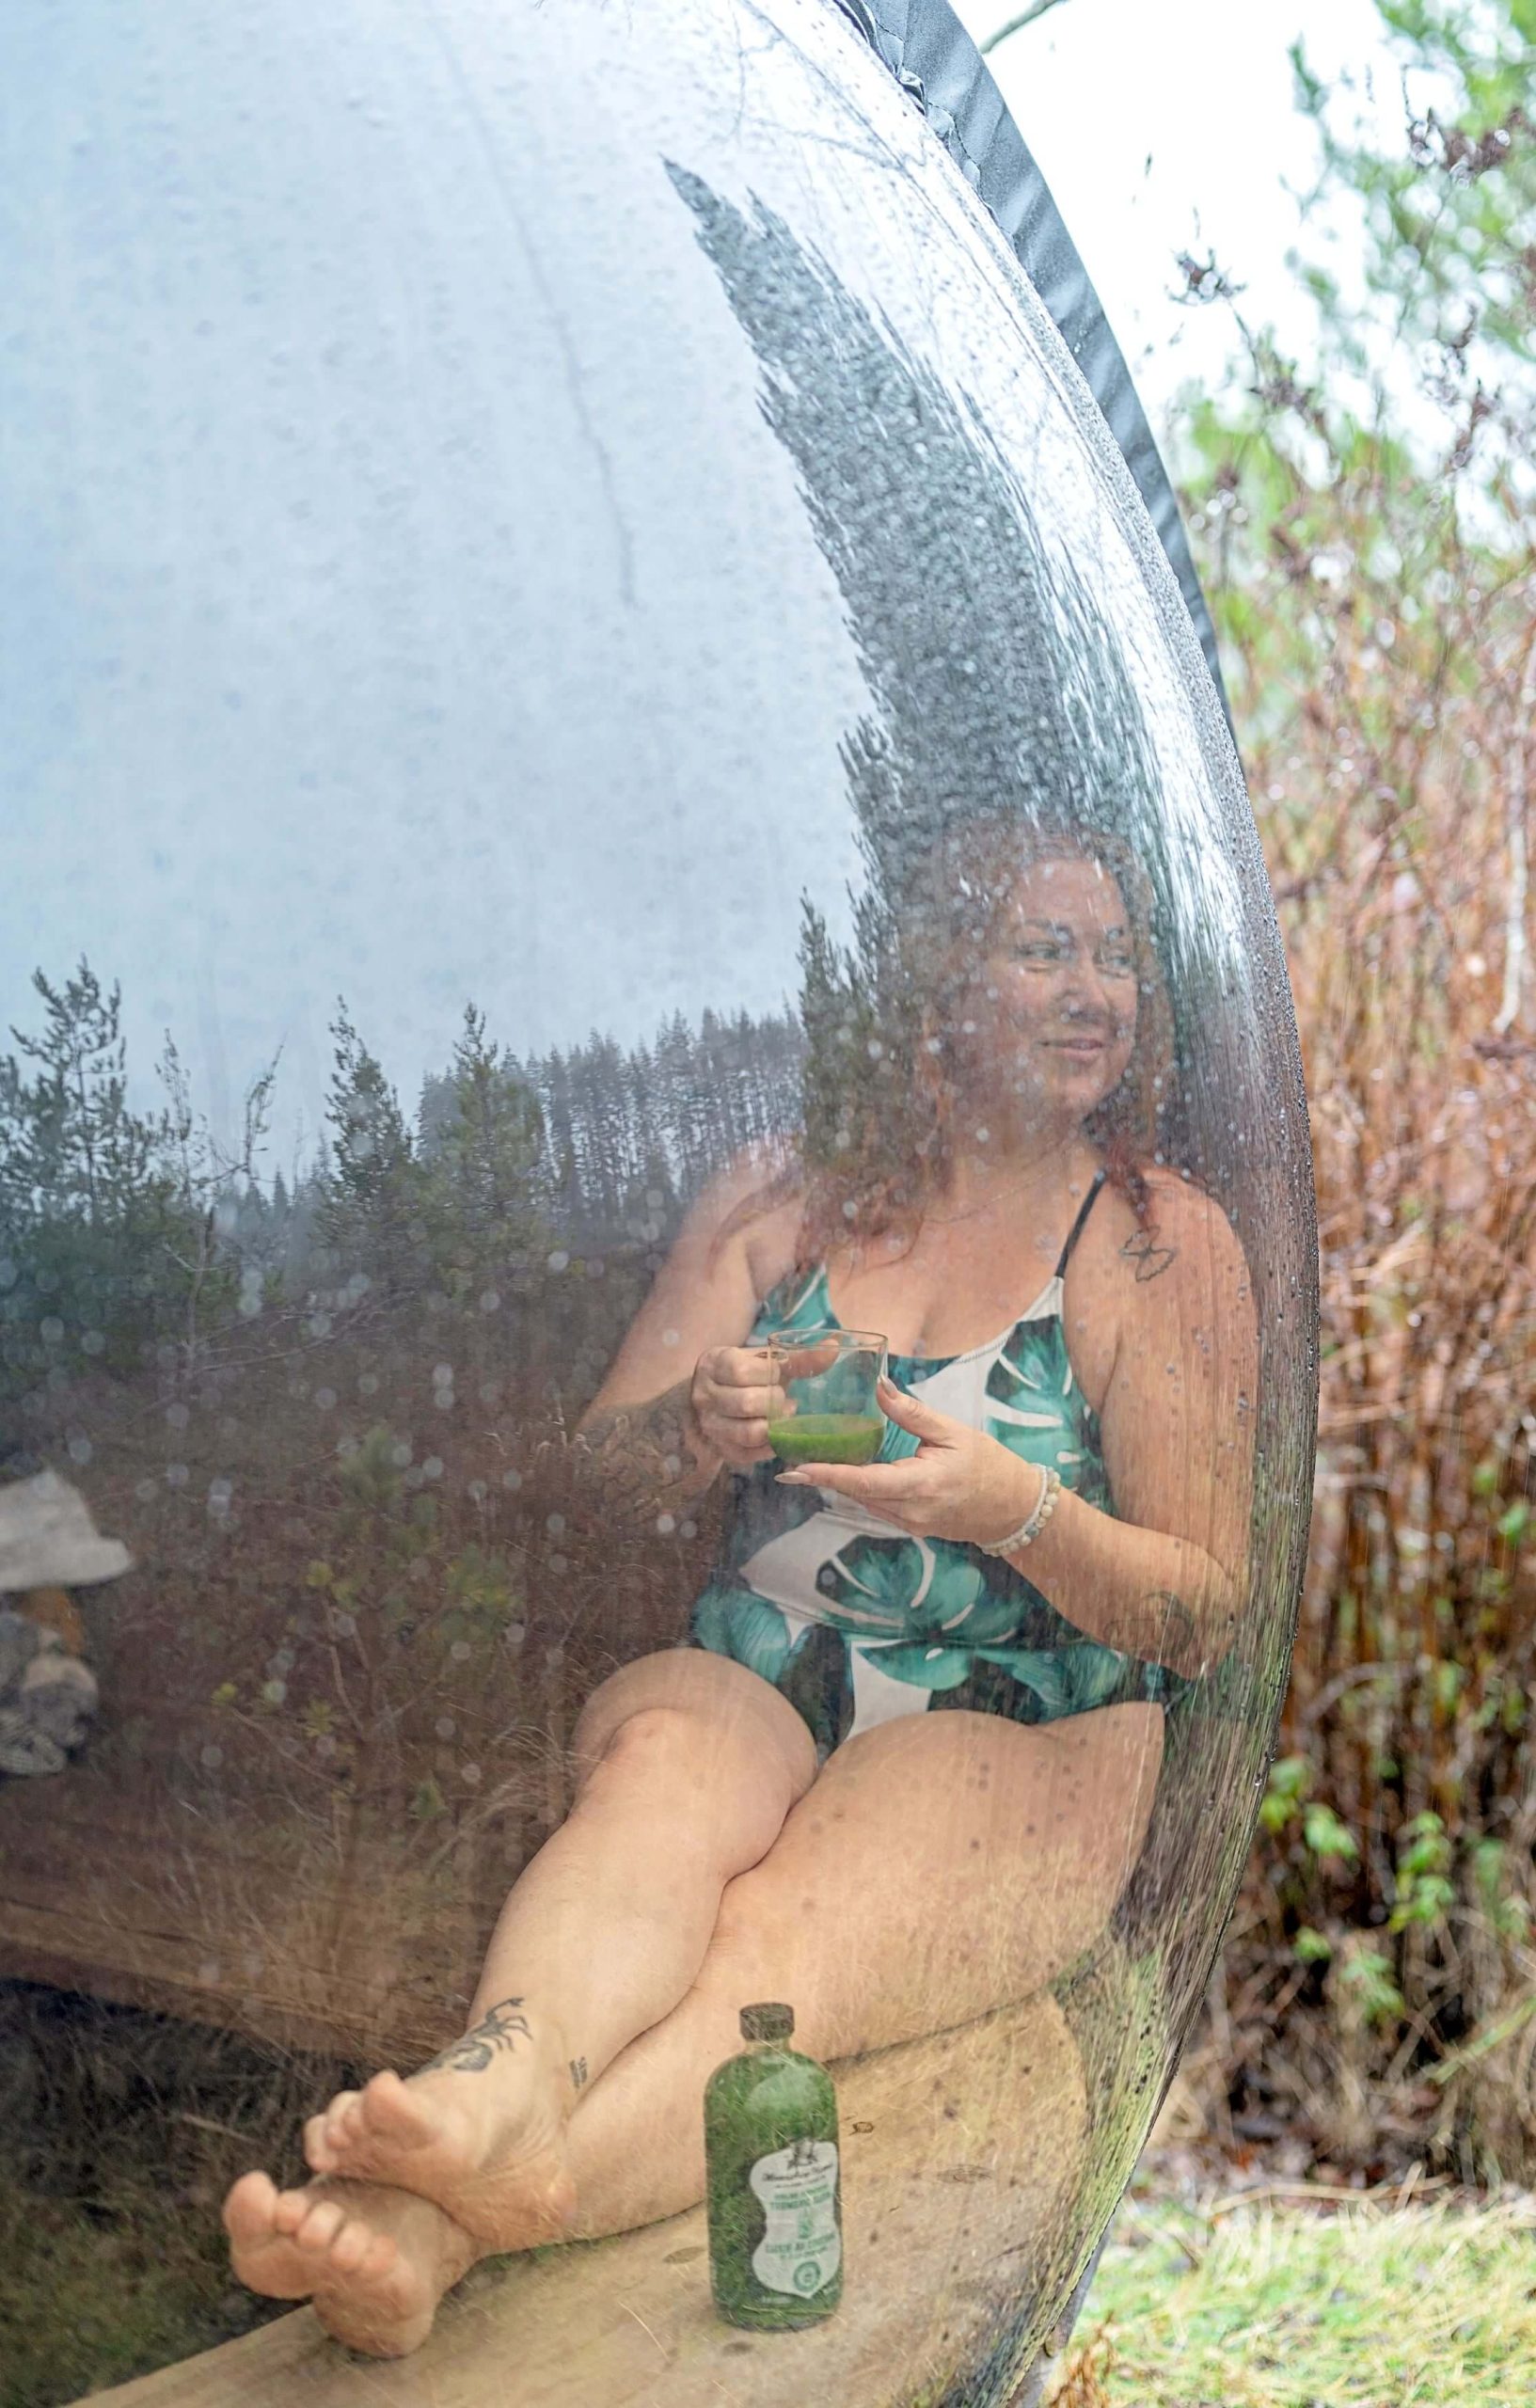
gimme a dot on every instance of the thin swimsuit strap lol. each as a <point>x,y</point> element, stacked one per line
<point>944,1362</point>
<point>1078,1226</point>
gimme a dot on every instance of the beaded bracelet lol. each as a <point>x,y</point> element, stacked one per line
<point>1030,1529</point>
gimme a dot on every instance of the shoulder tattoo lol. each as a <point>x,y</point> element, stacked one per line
<point>1150,1260</point>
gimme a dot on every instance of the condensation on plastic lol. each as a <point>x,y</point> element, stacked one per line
<point>503,507</point>
<point>938,65</point>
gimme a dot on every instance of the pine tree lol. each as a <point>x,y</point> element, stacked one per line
<point>74,1148</point>
<point>373,1198</point>
<point>480,1176</point>
<point>1000,694</point>
<point>552,1084</point>
<point>110,1226</point>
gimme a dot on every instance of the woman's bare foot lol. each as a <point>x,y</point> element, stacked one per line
<point>374,2261</point>
<point>480,2130</point>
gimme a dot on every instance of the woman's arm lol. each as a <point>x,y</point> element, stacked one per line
<point>1165,1577</point>
<point>641,1425</point>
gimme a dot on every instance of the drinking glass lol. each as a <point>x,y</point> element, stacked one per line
<point>832,1414</point>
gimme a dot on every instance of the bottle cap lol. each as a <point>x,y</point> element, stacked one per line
<point>770,2022</point>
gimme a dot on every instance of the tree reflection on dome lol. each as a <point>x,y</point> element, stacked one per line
<point>615,727</point>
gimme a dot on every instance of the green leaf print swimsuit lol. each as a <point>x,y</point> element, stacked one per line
<point>855,1622</point>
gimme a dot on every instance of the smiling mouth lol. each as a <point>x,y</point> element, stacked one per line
<point>1076,1044</point>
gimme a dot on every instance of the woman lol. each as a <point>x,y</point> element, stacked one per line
<point>1053,1546</point>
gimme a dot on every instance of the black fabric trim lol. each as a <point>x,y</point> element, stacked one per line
<point>1081,1223</point>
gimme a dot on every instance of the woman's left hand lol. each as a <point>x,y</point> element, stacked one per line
<point>960,1485</point>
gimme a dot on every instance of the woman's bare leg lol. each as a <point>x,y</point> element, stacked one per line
<point>943,1866</point>
<point>686,1765</point>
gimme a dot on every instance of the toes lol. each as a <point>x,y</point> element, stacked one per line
<point>321,2226</point>
<point>348,2132</point>
<point>335,2140</point>
<point>289,2211</point>
<point>388,2109</point>
<point>294,2245</point>
<point>385,2118</point>
<point>248,2209</point>
<point>336,2120</point>
<point>319,2155</point>
<point>359,2122</point>
<point>350,2247</point>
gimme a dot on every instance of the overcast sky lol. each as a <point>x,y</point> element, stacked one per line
<point>1172,128</point>
<point>408,597</point>
<point>256,588</point>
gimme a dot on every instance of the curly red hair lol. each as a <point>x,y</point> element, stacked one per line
<point>888,1157</point>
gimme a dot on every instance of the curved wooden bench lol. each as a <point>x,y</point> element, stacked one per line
<point>113,1885</point>
<point>962,2158</point>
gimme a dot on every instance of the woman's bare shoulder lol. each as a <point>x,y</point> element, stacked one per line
<point>1183,1242</point>
<point>773,1240</point>
<point>1148,1290</point>
<point>736,1241</point>
<point>1185,1214</point>
<point>754,1203</point>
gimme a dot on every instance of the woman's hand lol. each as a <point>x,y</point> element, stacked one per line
<point>734,1398</point>
<point>961,1485</point>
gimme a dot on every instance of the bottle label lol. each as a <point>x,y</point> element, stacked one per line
<point>801,2249</point>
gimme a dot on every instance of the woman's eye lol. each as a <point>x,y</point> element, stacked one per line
<point>1117,965</point>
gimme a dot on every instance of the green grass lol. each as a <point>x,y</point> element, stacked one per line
<point>119,2134</point>
<point>92,2295</point>
<point>1426,2307</point>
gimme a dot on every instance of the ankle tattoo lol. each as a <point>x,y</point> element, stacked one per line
<point>579,2073</point>
<point>500,2027</point>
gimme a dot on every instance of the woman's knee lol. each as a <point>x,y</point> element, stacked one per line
<point>695,1726</point>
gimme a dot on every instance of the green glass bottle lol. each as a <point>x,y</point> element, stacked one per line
<point>775,2204</point>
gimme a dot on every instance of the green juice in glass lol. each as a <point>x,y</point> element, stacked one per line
<point>773,2196</point>
<point>826,1437</point>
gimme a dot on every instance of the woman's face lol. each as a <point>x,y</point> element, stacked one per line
<point>1049,1024</point>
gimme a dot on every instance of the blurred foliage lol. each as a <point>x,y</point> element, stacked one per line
<point>1450,216</point>
<point>1366,535</point>
<point>1365,531</point>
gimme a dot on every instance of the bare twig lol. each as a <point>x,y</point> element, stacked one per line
<point>512,1793</point>
<point>1322,2194</point>
<point>1016,25</point>
<point>1518,849</point>
<point>1481,2043</point>
<point>206,2124</point>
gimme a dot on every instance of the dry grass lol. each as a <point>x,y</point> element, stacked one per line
<point>1377,1974</point>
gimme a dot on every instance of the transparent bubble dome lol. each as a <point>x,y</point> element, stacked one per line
<point>604,770</point>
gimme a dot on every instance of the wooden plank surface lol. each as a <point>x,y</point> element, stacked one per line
<point>135,1896</point>
<point>962,2158</point>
